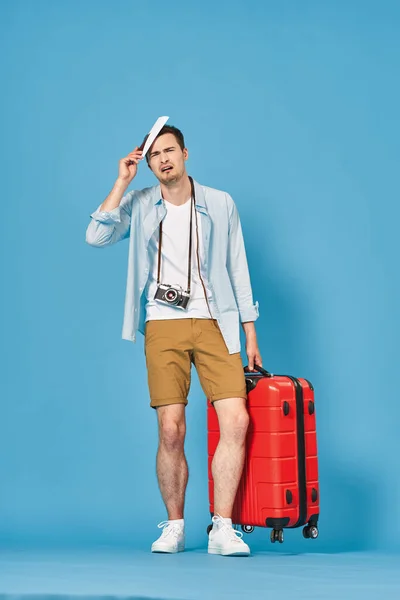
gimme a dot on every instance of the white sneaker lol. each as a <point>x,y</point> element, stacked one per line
<point>225,540</point>
<point>172,538</point>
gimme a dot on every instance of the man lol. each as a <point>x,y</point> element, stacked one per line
<point>188,285</point>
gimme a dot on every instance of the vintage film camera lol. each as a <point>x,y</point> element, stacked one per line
<point>173,295</point>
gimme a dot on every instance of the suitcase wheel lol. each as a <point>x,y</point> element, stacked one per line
<point>277,536</point>
<point>248,528</point>
<point>310,531</point>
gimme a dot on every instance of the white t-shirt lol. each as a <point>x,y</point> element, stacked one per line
<point>174,265</point>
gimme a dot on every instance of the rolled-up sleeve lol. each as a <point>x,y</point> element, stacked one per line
<point>107,228</point>
<point>238,267</point>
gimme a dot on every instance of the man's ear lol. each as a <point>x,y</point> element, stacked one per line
<point>185,153</point>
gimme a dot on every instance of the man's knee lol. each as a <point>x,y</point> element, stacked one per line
<point>172,427</point>
<point>234,423</point>
<point>239,424</point>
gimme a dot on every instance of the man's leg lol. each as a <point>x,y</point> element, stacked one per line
<point>167,347</point>
<point>227,467</point>
<point>172,468</point>
<point>228,461</point>
<point>223,381</point>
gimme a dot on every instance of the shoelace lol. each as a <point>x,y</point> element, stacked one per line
<point>233,534</point>
<point>169,529</point>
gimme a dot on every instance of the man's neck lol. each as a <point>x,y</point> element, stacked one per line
<point>177,193</point>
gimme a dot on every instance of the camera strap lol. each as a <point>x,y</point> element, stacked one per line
<point>192,202</point>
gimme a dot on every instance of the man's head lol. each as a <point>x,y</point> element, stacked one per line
<point>167,155</point>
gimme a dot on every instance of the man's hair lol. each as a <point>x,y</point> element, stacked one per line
<point>168,129</point>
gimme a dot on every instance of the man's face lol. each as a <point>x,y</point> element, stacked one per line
<point>167,160</point>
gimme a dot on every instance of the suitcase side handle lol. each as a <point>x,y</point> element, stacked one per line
<point>259,369</point>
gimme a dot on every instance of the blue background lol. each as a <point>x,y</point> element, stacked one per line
<point>291,107</point>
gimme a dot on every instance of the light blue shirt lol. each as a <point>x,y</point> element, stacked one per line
<point>225,263</point>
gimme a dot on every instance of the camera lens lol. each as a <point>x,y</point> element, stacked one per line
<point>171,295</point>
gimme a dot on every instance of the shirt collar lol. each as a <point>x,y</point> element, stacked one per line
<point>200,198</point>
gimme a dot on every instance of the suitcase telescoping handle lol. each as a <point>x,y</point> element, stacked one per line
<point>260,370</point>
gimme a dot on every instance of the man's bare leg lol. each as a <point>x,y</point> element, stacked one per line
<point>172,468</point>
<point>228,461</point>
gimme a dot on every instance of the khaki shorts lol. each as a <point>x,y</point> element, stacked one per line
<point>172,345</point>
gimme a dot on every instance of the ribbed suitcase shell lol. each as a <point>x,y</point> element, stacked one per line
<point>279,485</point>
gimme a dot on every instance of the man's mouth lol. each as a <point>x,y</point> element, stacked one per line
<point>167,168</point>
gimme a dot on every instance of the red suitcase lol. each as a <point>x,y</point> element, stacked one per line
<point>279,485</point>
